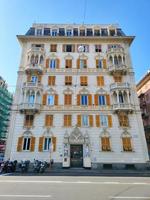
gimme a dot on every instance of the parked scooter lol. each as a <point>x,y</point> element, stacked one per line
<point>24,166</point>
<point>8,166</point>
<point>43,167</point>
<point>36,166</point>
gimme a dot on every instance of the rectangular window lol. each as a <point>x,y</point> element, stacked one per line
<point>68,80</point>
<point>61,32</point>
<point>31,98</point>
<point>50,100</point>
<point>69,32</point>
<point>67,120</point>
<point>75,32</point>
<point>39,32</point>
<point>52,63</point>
<point>82,32</point>
<point>112,32</point>
<point>67,99</point>
<point>126,144</point>
<point>83,80</point>
<point>84,100</point>
<point>34,79</point>
<point>118,78</point>
<point>89,32</point>
<point>104,32</point>
<point>98,64</point>
<point>51,80</point>
<point>47,142</point>
<point>29,120</point>
<point>54,32</point>
<point>85,121</point>
<point>68,63</point>
<point>100,81</point>
<point>104,120</point>
<point>47,31</point>
<point>68,48</point>
<point>96,32</point>
<point>53,48</point>
<point>82,64</point>
<point>102,100</point>
<point>105,142</point>
<point>49,120</point>
<point>26,143</point>
<point>85,47</point>
<point>98,48</point>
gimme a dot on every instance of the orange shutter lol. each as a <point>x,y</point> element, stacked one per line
<point>78,63</point>
<point>105,143</point>
<point>32,144</point>
<point>19,145</point>
<point>109,121</point>
<point>85,63</point>
<point>56,99</point>
<point>51,80</point>
<point>96,99</point>
<point>100,80</point>
<point>78,120</point>
<point>47,63</point>
<point>126,144</point>
<point>90,99</point>
<point>108,99</point>
<point>78,99</point>
<point>41,140</point>
<point>97,63</point>
<point>57,63</point>
<point>54,143</point>
<point>97,121</point>
<point>44,99</point>
<point>104,64</point>
<point>91,120</point>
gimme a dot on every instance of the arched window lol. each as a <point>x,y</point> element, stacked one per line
<point>36,59</point>
<point>105,143</point>
<point>41,59</point>
<point>121,99</point>
<point>115,60</point>
<point>123,119</point>
<point>126,142</point>
<point>111,60</point>
<point>119,60</point>
<point>32,59</point>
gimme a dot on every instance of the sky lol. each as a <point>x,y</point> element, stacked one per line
<point>16,16</point>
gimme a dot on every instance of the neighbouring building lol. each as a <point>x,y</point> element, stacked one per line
<point>143,90</point>
<point>5,106</point>
<point>76,100</point>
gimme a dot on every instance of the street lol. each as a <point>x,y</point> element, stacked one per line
<point>73,188</point>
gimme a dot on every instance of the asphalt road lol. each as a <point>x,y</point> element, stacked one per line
<point>73,188</point>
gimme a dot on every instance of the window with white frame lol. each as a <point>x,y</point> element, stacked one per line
<point>102,100</point>
<point>52,63</point>
<point>31,98</point>
<point>85,121</point>
<point>26,143</point>
<point>69,32</point>
<point>84,99</point>
<point>104,120</point>
<point>47,142</point>
<point>54,32</point>
<point>39,32</point>
<point>50,100</point>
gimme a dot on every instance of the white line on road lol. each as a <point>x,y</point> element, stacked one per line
<point>25,196</point>
<point>120,197</point>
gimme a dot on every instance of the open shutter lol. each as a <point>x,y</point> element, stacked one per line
<point>78,63</point>
<point>78,99</point>
<point>19,145</point>
<point>96,99</point>
<point>97,121</point>
<point>91,120</point>
<point>109,121</point>
<point>79,120</point>
<point>41,140</point>
<point>104,64</point>
<point>54,143</point>
<point>108,99</point>
<point>97,63</point>
<point>32,144</point>
<point>56,99</point>
<point>57,63</point>
<point>90,99</point>
<point>47,63</point>
<point>44,99</point>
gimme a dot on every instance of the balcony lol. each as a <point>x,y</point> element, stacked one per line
<point>28,107</point>
<point>115,50</point>
<point>36,50</point>
<point>120,68</point>
<point>32,85</point>
<point>123,107</point>
<point>34,68</point>
<point>119,86</point>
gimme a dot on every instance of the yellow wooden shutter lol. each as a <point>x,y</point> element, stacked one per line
<point>41,140</point>
<point>78,63</point>
<point>56,99</point>
<point>98,81</point>
<point>54,143</point>
<point>47,63</point>
<point>69,120</point>
<point>44,99</point>
<point>97,63</point>
<point>90,99</point>
<point>97,121</point>
<point>109,121</point>
<point>78,99</point>
<point>19,145</point>
<point>78,120</point>
<point>85,63</point>
<point>96,99</point>
<point>57,63</point>
<point>91,120</point>
<point>104,64</point>
<point>32,144</point>
<point>108,99</point>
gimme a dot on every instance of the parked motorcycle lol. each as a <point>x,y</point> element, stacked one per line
<point>8,166</point>
<point>24,166</point>
<point>43,166</point>
<point>36,166</point>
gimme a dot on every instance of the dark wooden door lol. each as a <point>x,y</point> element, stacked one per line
<point>76,153</point>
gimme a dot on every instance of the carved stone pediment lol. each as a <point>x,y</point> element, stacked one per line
<point>76,137</point>
<point>68,91</point>
<point>104,133</point>
<point>84,91</point>
<point>51,91</point>
<point>101,91</point>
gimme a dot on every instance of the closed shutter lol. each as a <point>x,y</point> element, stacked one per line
<point>41,140</point>
<point>90,99</point>
<point>100,81</point>
<point>126,144</point>
<point>47,63</point>
<point>79,120</point>
<point>78,99</point>
<point>68,63</point>
<point>105,143</point>
<point>68,99</point>
<point>49,120</point>
<point>57,63</point>
<point>19,145</point>
<point>104,64</point>
<point>96,99</point>
<point>78,63</point>
<point>97,121</point>
<point>54,143</point>
<point>109,121</point>
<point>51,80</point>
<point>44,99</point>
<point>108,99</point>
<point>32,144</point>
<point>91,120</point>
<point>56,99</point>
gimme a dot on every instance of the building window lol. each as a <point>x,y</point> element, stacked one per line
<point>96,32</point>
<point>117,78</point>
<point>54,32</point>
<point>68,80</point>
<point>85,47</point>
<point>51,80</point>
<point>121,100</point>
<point>31,99</point>
<point>28,120</point>
<point>69,32</point>
<point>123,120</point>
<point>67,99</point>
<point>104,120</point>
<point>53,48</point>
<point>75,32</point>
<point>68,48</point>
<point>68,63</point>
<point>83,80</point>
<point>126,142</point>
<point>104,32</point>
<point>100,81</point>
<point>102,100</point>
<point>47,31</point>
<point>50,100</point>
<point>105,142</point>
<point>47,142</point>
<point>82,32</point>
<point>99,64</point>
<point>52,63</point>
<point>61,32</point>
<point>85,121</point>
<point>82,63</point>
<point>98,48</point>
<point>67,120</point>
<point>89,32</point>
<point>84,99</point>
<point>26,143</point>
<point>48,120</point>
<point>112,32</point>
<point>39,32</point>
<point>34,79</point>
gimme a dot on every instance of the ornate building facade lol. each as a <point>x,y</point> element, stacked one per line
<point>76,100</point>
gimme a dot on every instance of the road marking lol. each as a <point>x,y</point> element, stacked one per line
<point>25,196</point>
<point>120,197</point>
<point>75,182</point>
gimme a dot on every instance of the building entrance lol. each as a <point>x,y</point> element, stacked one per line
<point>76,155</point>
